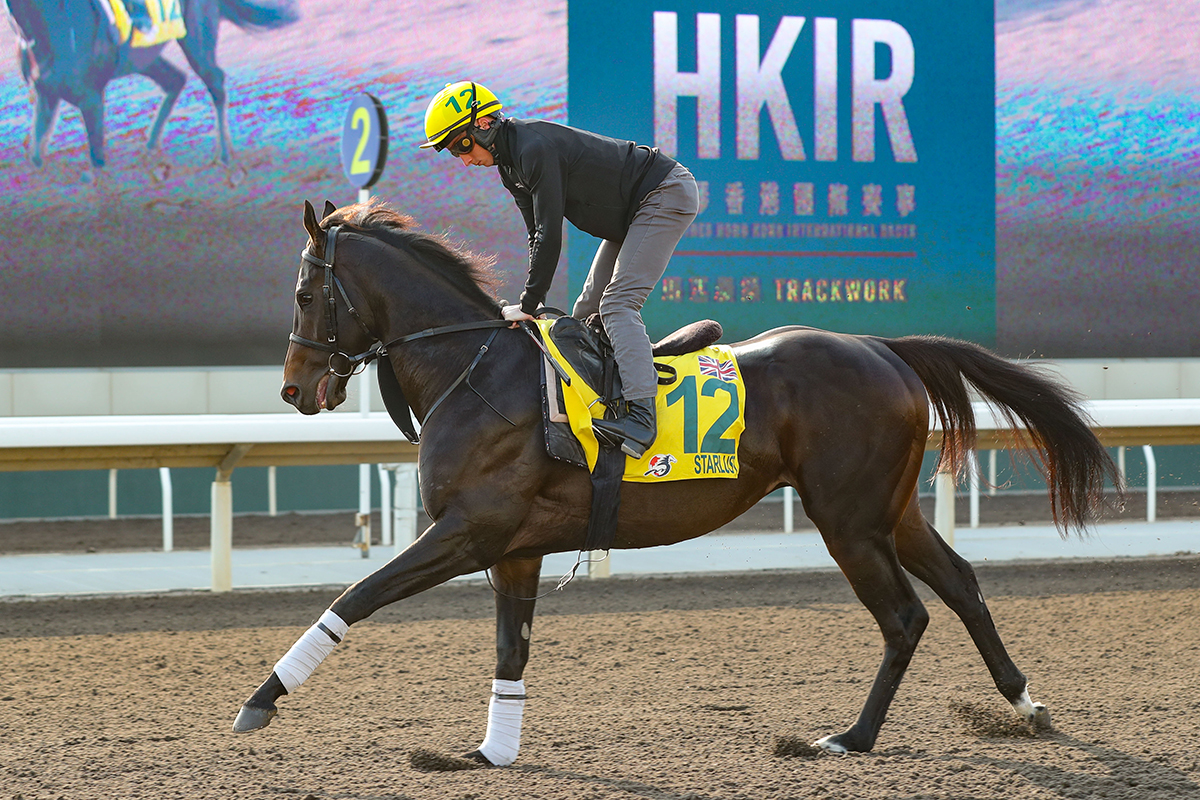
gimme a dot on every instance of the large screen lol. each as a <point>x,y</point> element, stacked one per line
<point>176,258</point>
<point>844,154</point>
<point>1086,244</point>
<point>1097,202</point>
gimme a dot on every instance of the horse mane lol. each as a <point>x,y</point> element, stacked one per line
<point>469,272</point>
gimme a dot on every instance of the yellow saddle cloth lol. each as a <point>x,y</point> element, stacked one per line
<point>167,16</point>
<point>701,415</point>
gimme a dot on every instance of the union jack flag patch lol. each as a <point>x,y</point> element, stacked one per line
<point>725,370</point>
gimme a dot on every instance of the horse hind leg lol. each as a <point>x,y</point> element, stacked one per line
<point>171,81</point>
<point>875,575</point>
<point>200,49</point>
<point>516,585</point>
<point>927,556</point>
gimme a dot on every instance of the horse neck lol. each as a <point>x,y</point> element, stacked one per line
<point>411,298</point>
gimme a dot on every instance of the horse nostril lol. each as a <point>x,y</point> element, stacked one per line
<point>291,391</point>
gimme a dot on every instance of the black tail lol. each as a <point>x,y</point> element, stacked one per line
<point>1070,457</point>
<point>250,15</point>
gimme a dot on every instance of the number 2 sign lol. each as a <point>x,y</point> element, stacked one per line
<point>364,140</point>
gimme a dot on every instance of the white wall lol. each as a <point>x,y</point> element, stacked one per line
<point>209,390</point>
<point>248,390</point>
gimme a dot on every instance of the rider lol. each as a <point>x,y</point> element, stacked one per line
<point>140,18</point>
<point>636,200</point>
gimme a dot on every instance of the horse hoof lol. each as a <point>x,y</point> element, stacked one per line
<point>1041,718</point>
<point>478,757</point>
<point>830,744</point>
<point>250,718</point>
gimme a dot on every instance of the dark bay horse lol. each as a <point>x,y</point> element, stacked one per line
<point>67,55</point>
<point>843,419</point>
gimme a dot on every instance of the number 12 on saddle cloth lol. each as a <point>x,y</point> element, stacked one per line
<point>701,414</point>
<point>165,16</point>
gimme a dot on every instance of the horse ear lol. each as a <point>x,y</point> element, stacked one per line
<point>329,209</point>
<point>312,226</point>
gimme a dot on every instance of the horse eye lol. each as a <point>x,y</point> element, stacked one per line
<point>304,298</point>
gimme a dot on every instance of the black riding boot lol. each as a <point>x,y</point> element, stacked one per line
<point>635,429</point>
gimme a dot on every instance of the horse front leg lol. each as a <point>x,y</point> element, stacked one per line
<point>448,548</point>
<point>91,108</point>
<point>45,108</point>
<point>515,582</point>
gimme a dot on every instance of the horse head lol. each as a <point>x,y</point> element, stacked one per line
<point>367,280</point>
<point>320,357</point>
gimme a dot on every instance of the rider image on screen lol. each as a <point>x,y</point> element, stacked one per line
<point>638,201</point>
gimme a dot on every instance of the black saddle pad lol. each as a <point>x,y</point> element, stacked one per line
<point>585,345</point>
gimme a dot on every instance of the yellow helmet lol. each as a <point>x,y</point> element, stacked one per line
<point>453,107</point>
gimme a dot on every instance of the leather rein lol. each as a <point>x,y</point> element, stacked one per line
<point>353,364</point>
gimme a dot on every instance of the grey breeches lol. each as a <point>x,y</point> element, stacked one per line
<point>624,273</point>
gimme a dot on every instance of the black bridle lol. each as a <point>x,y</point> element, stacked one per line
<point>336,355</point>
<point>393,397</point>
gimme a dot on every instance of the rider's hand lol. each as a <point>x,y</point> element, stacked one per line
<point>514,314</point>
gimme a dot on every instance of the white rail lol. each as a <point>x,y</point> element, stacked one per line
<point>220,441</point>
<point>227,441</point>
<point>1118,423</point>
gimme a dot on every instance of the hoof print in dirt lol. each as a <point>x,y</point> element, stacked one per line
<point>792,747</point>
<point>235,175</point>
<point>990,723</point>
<point>1041,719</point>
<point>430,761</point>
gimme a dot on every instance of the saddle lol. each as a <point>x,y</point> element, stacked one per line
<point>143,23</point>
<point>586,346</point>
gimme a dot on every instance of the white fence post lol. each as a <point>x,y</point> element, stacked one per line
<point>1151,483</point>
<point>385,505</point>
<point>221,522</point>
<point>221,535</point>
<point>112,494</point>
<point>404,524</point>
<point>363,518</point>
<point>973,472</point>
<point>168,509</point>
<point>789,509</point>
<point>943,508</point>
<point>272,493</point>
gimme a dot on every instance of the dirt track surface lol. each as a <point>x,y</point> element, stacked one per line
<point>652,688</point>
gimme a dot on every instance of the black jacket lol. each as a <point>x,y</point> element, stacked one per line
<point>556,172</point>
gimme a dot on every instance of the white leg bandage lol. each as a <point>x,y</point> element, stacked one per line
<point>505,712</point>
<point>310,650</point>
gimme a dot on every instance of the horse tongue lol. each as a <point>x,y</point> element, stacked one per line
<point>322,389</point>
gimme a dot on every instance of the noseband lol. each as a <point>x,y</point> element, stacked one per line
<point>354,364</point>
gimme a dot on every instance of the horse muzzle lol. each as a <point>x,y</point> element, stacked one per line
<point>330,392</point>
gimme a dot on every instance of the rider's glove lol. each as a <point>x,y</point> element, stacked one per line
<point>514,314</point>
